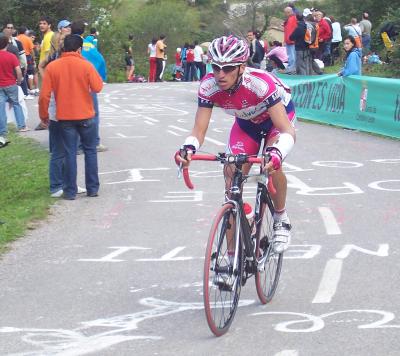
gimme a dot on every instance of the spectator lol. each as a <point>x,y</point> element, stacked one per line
<point>288,27</point>
<point>151,51</point>
<point>190,65</point>
<point>183,58</point>
<point>278,57</point>
<point>257,52</point>
<point>72,71</point>
<point>336,39</point>
<point>27,45</point>
<point>365,27</point>
<point>352,64</point>
<point>33,79</point>
<point>324,37</point>
<point>160,54</point>
<point>92,37</point>
<point>326,55</point>
<point>90,52</point>
<point>10,76</point>
<point>198,60</point>
<point>303,56</point>
<point>129,61</point>
<point>45,28</point>
<point>177,74</point>
<point>354,30</point>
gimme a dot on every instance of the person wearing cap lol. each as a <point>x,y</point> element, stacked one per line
<point>64,26</point>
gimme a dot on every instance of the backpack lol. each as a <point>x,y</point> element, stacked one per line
<point>311,34</point>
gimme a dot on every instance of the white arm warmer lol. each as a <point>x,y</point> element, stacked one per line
<point>284,144</point>
<point>193,141</point>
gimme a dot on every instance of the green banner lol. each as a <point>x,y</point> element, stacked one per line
<point>358,102</point>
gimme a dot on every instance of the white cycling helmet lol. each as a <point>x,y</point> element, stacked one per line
<point>228,50</point>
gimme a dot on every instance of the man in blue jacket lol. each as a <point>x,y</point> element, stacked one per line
<point>90,52</point>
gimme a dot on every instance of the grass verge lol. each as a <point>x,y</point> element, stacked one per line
<point>24,182</point>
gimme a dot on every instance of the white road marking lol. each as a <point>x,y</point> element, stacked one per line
<point>173,133</point>
<point>110,257</point>
<point>218,143</point>
<point>329,282</point>
<point>331,225</point>
<point>149,122</point>
<point>287,353</point>
<point>178,128</point>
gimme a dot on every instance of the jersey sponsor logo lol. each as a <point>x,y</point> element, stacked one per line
<point>255,84</point>
<point>208,88</point>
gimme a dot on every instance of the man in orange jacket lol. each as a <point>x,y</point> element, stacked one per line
<point>72,79</point>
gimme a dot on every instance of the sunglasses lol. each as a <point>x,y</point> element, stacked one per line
<point>226,69</point>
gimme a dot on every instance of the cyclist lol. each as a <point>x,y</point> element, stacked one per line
<point>260,103</point>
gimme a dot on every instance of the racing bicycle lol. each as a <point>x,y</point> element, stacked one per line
<point>238,249</point>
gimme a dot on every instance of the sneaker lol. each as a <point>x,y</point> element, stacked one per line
<point>40,127</point>
<point>281,238</point>
<point>81,190</point>
<point>29,97</point>
<point>57,194</point>
<point>92,195</point>
<point>101,148</point>
<point>3,141</point>
<point>24,129</point>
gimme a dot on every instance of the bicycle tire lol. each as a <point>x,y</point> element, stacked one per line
<point>220,303</point>
<point>267,274</point>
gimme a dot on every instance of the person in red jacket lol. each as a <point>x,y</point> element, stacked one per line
<point>325,34</point>
<point>72,79</point>
<point>289,26</point>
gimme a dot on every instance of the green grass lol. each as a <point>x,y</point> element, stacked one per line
<point>24,192</point>
<point>372,70</point>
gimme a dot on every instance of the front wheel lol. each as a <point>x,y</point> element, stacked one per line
<point>269,270</point>
<point>222,277</point>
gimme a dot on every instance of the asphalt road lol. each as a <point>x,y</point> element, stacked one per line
<point>121,274</point>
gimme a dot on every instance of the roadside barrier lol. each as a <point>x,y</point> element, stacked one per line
<point>363,103</point>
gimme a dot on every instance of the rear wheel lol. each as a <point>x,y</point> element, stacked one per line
<point>269,270</point>
<point>222,279</point>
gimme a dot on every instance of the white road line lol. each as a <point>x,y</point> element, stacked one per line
<point>150,119</point>
<point>173,133</point>
<point>148,122</point>
<point>178,128</point>
<point>330,279</point>
<point>287,353</point>
<point>331,225</point>
<point>218,143</point>
<point>115,105</point>
<point>173,253</point>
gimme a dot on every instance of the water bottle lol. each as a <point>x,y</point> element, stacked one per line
<point>248,210</point>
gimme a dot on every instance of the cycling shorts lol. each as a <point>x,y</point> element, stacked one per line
<point>246,136</point>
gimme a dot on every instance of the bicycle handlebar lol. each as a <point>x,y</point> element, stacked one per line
<point>207,157</point>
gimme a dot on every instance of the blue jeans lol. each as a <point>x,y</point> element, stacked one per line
<point>10,94</point>
<point>57,157</point>
<point>96,119</point>
<point>70,131</point>
<point>291,52</point>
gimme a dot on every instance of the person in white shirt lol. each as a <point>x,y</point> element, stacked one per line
<point>198,59</point>
<point>336,39</point>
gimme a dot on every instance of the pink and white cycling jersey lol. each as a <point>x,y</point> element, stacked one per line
<point>250,99</point>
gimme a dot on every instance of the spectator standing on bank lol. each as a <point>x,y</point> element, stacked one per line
<point>33,77</point>
<point>92,37</point>
<point>365,26</point>
<point>177,74</point>
<point>90,53</point>
<point>151,51</point>
<point>198,60</point>
<point>303,56</point>
<point>352,64</point>
<point>288,27</point>
<point>160,54</point>
<point>336,39</point>
<point>190,73</point>
<point>325,35</point>
<point>27,44</point>
<point>45,28</point>
<point>10,77</point>
<point>353,29</point>
<point>257,52</point>
<point>72,79</point>
<point>129,61</point>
